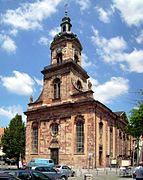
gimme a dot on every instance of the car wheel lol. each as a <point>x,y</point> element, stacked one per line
<point>64,178</point>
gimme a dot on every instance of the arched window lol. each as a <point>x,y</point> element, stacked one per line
<point>69,28</point>
<point>35,137</point>
<point>100,132</point>
<point>111,141</point>
<point>64,28</point>
<point>79,136</point>
<point>59,58</point>
<point>57,88</point>
<point>76,58</point>
<point>79,85</point>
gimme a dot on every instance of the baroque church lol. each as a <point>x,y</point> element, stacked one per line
<point>66,123</point>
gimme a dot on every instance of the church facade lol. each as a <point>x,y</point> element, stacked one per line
<point>66,123</point>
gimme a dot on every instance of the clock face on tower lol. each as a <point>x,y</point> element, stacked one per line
<point>59,50</point>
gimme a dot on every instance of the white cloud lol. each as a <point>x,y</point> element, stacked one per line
<point>30,15</point>
<point>19,83</point>
<point>104,16</point>
<point>47,41</point>
<point>94,82</point>
<point>131,11</point>
<point>113,50</point>
<point>108,47</point>
<point>110,90</point>
<point>84,4</point>
<point>7,44</point>
<point>134,60</point>
<point>10,112</point>
<point>44,41</point>
<point>139,38</point>
<point>38,81</point>
<point>54,31</point>
<point>13,32</point>
<point>85,61</point>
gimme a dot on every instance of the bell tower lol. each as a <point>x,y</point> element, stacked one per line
<point>64,79</point>
<point>66,45</point>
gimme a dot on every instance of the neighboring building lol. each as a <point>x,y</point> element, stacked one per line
<point>1,133</point>
<point>66,123</point>
<point>141,149</point>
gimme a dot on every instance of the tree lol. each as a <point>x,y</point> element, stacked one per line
<point>135,126</point>
<point>13,140</point>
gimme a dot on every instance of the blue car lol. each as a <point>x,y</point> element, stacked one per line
<point>40,162</point>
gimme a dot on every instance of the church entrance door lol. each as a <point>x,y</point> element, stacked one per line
<point>55,155</point>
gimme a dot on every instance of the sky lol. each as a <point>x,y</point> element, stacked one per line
<point>110,31</point>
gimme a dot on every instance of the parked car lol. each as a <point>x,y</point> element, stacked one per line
<point>65,169</point>
<point>5,176</point>
<point>40,162</point>
<point>26,174</point>
<point>52,173</point>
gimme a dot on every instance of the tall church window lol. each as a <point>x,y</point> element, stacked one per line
<point>57,85</point>
<point>79,136</point>
<point>76,58</point>
<point>35,138</point>
<point>100,142</point>
<point>111,141</point>
<point>100,132</point>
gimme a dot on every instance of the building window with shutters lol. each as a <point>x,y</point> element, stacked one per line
<point>35,138</point>
<point>57,87</point>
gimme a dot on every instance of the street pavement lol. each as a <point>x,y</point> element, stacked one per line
<point>100,174</point>
<point>97,174</point>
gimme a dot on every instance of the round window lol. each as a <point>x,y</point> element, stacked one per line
<point>55,129</point>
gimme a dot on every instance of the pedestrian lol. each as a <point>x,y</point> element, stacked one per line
<point>139,172</point>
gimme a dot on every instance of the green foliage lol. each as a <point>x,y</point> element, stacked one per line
<point>13,140</point>
<point>135,127</point>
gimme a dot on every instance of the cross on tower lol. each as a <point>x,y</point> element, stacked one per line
<point>66,9</point>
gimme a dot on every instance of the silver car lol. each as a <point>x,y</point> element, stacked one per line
<point>52,173</point>
<point>65,170</point>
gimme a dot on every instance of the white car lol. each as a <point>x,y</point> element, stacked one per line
<point>65,169</point>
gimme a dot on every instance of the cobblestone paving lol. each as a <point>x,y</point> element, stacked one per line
<point>97,174</point>
<point>102,174</point>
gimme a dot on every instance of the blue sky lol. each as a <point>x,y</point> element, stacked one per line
<point>111,32</point>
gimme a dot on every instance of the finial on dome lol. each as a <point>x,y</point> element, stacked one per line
<point>66,9</point>
<point>66,25</point>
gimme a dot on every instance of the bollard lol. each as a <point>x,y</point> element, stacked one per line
<point>97,172</point>
<point>88,177</point>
